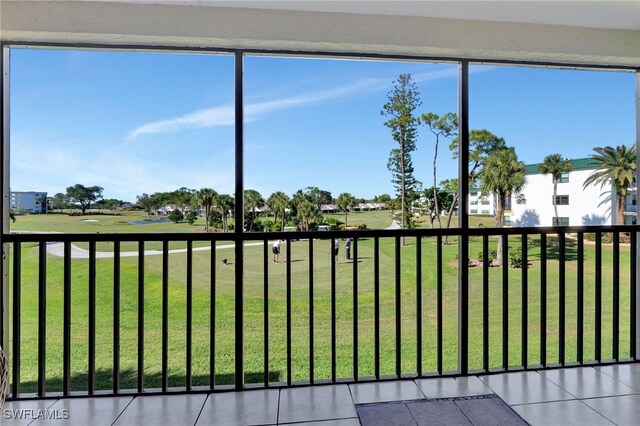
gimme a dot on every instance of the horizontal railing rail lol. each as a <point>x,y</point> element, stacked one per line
<point>364,233</point>
<point>155,313</point>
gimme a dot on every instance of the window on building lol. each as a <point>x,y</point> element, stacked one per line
<point>485,202</point>
<point>564,178</point>
<point>473,211</point>
<point>474,202</point>
<point>560,221</point>
<point>506,221</point>
<point>473,194</point>
<point>485,212</point>
<point>561,200</point>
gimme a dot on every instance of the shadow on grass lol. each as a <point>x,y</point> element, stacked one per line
<point>129,381</point>
<point>553,249</point>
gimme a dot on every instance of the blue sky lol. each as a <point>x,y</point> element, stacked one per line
<point>137,122</point>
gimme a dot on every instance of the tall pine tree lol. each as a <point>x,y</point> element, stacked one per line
<point>403,100</point>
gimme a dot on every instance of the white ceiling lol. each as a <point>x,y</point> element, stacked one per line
<point>613,14</point>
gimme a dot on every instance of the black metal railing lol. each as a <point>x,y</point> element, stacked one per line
<point>562,296</point>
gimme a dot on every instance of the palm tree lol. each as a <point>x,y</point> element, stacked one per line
<point>307,213</point>
<point>279,202</point>
<point>555,165</point>
<point>224,204</point>
<point>502,175</point>
<point>345,203</point>
<point>252,201</point>
<point>41,201</point>
<point>616,166</point>
<point>205,198</point>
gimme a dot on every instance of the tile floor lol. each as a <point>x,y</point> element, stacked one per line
<point>581,396</point>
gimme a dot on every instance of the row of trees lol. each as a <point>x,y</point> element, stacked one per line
<point>83,197</point>
<point>403,121</point>
<point>492,164</point>
<point>302,208</point>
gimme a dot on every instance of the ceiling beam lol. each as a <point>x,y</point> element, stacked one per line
<point>206,26</point>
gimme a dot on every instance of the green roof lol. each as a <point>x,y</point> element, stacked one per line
<point>577,164</point>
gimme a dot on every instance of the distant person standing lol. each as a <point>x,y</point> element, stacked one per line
<point>347,248</point>
<point>276,250</point>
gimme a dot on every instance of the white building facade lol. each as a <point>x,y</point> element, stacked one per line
<point>28,202</point>
<point>481,204</point>
<point>577,205</point>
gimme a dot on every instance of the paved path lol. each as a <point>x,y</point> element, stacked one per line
<point>394,225</point>
<point>57,249</point>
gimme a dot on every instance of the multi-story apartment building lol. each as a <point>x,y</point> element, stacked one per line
<point>28,201</point>
<point>577,205</point>
<point>481,204</point>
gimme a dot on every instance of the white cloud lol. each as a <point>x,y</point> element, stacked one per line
<point>211,117</point>
<point>224,115</point>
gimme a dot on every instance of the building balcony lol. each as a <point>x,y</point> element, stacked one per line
<point>585,395</point>
<point>185,317</point>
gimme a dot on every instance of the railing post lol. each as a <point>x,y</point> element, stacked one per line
<point>636,355</point>
<point>4,204</point>
<point>463,217</point>
<point>239,221</point>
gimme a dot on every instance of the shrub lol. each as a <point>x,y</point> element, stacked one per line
<point>257,224</point>
<point>361,226</point>
<point>270,226</point>
<point>176,216</point>
<point>492,256</point>
<point>334,223</point>
<point>191,217</point>
<point>515,259</point>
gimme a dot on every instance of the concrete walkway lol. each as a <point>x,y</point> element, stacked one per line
<point>57,249</point>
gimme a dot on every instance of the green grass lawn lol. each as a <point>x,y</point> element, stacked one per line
<point>299,262</point>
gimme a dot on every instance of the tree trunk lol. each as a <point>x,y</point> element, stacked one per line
<point>436,207</point>
<point>555,195</point>
<point>435,189</point>
<point>449,215</point>
<point>253,218</point>
<point>619,209</point>
<point>345,219</point>
<point>499,216</point>
<point>403,191</point>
